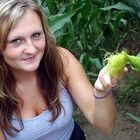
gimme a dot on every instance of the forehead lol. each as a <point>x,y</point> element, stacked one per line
<point>28,22</point>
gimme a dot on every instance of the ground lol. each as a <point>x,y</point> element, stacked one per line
<point>125,129</point>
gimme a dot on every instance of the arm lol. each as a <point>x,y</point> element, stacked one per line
<point>100,113</point>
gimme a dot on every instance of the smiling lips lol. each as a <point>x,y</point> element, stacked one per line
<point>29,58</point>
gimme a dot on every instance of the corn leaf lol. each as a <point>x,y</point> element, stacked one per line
<point>58,21</point>
<point>133,117</point>
<point>119,6</point>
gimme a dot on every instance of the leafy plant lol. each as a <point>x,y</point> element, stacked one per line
<point>133,117</point>
<point>90,28</point>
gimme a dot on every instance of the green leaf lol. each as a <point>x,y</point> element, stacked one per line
<point>135,4</point>
<point>58,21</point>
<point>96,62</point>
<point>51,6</point>
<point>138,55</point>
<point>131,116</point>
<point>119,6</point>
<point>124,21</point>
<point>99,39</point>
<point>70,29</point>
<point>82,56</point>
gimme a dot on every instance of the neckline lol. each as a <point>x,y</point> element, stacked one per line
<point>46,112</point>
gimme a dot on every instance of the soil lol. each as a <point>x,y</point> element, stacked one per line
<point>125,129</point>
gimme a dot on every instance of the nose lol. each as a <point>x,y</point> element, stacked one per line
<point>29,47</point>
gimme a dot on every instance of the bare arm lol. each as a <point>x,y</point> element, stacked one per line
<point>100,113</point>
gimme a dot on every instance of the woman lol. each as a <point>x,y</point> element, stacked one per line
<point>39,81</point>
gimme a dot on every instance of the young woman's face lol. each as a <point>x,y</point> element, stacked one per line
<point>25,43</point>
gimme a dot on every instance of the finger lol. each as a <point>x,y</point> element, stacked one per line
<point>98,85</point>
<point>106,82</point>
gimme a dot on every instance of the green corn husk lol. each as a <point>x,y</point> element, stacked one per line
<point>134,62</point>
<point>116,63</point>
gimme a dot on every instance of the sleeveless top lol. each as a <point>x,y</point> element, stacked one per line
<point>40,128</point>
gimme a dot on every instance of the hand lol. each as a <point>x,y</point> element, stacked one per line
<point>104,82</point>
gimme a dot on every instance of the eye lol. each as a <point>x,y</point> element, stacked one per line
<point>36,35</point>
<point>16,41</point>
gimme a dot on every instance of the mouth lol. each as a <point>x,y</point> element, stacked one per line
<point>29,58</point>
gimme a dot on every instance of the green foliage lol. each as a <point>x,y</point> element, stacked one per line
<point>134,62</point>
<point>128,93</point>
<point>133,117</point>
<point>90,28</point>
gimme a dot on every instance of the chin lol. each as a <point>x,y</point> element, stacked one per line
<point>31,68</point>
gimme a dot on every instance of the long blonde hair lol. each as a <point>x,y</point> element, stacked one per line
<point>48,74</point>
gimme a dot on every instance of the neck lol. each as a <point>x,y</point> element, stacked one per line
<point>23,76</point>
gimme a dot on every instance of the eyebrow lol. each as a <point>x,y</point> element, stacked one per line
<point>9,39</point>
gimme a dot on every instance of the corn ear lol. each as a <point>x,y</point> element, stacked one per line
<point>134,62</point>
<point>116,64</point>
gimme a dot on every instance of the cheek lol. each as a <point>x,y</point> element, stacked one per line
<point>10,59</point>
<point>10,55</point>
<point>41,45</point>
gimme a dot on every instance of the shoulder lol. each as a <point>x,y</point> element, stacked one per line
<point>69,60</point>
<point>72,67</point>
<point>67,57</point>
<point>70,64</point>
<point>65,53</point>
